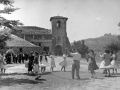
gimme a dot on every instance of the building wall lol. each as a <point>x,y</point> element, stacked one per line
<point>43,40</point>
<point>58,37</point>
<point>59,34</point>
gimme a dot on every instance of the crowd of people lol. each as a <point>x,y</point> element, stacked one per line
<point>37,63</point>
<point>16,58</point>
<point>110,61</point>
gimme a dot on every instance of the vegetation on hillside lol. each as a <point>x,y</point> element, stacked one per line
<point>114,46</point>
<point>98,44</point>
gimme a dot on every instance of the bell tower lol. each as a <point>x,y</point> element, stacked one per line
<point>59,34</point>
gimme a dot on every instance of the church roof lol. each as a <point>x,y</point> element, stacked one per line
<point>58,17</point>
<point>32,30</point>
<point>16,41</point>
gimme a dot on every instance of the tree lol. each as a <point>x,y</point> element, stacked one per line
<point>8,9</point>
<point>76,45</point>
<point>118,37</point>
<point>3,37</point>
<point>83,49</point>
<point>80,45</point>
<point>113,46</point>
<point>7,24</point>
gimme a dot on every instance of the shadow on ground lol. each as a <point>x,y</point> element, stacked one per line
<point>12,81</point>
<point>8,74</point>
<point>112,76</point>
<point>13,74</point>
<point>116,74</point>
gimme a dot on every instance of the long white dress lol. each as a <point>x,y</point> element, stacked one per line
<point>1,61</point>
<point>43,63</point>
<point>26,63</point>
<point>105,64</point>
<point>115,62</point>
<point>52,61</point>
<point>4,63</point>
<point>102,66</point>
<point>64,62</point>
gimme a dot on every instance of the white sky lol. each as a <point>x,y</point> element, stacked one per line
<point>86,18</point>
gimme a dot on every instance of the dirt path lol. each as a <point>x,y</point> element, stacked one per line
<point>107,83</point>
<point>16,79</point>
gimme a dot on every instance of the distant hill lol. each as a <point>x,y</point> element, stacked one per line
<point>98,44</point>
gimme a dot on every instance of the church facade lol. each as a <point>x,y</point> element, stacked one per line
<point>54,41</point>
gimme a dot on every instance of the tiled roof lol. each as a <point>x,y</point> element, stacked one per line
<point>33,30</point>
<point>58,17</point>
<point>16,41</point>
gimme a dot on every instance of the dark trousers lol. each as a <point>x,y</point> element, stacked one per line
<point>15,59</point>
<point>8,60</point>
<point>75,67</point>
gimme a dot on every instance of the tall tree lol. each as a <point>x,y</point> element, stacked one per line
<point>7,24</point>
<point>8,9</point>
<point>80,45</point>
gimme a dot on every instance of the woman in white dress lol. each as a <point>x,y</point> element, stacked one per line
<point>43,62</point>
<point>64,62</point>
<point>4,64</point>
<point>105,64</point>
<point>114,61</point>
<point>52,62</point>
<point>1,62</point>
<point>36,65</point>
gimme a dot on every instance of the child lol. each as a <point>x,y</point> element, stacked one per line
<point>105,64</point>
<point>43,62</point>
<point>4,64</point>
<point>36,66</point>
<point>64,62</point>
<point>114,61</point>
<point>52,62</point>
<point>92,63</point>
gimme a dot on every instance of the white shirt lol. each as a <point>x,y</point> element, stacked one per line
<point>76,56</point>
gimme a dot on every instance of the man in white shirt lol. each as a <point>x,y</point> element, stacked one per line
<point>76,64</point>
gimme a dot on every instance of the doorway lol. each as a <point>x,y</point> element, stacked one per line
<point>58,50</point>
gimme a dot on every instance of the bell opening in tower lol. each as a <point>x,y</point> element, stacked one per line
<point>58,24</point>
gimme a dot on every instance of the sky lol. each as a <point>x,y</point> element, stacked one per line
<point>86,18</point>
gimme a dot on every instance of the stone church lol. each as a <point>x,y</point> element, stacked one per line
<point>55,40</point>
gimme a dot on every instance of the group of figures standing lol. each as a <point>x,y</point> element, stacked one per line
<point>37,63</point>
<point>110,61</point>
<point>35,60</point>
<point>92,66</point>
<point>16,58</point>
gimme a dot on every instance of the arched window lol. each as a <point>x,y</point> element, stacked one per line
<point>58,24</point>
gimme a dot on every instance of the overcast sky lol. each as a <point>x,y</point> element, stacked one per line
<point>86,18</point>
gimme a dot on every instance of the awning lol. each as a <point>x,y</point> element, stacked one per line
<point>16,41</point>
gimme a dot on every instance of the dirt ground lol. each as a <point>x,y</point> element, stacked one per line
<point>16,78</point>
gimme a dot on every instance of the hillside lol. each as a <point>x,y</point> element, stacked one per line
<point>99,43</point>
